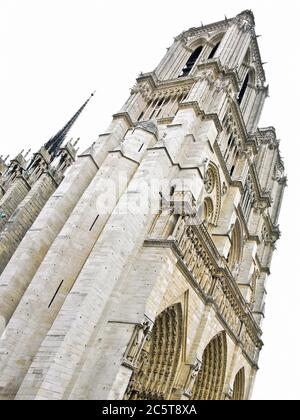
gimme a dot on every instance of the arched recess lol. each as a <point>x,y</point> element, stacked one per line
<point>239,385</point>
<point>236,250</point>
<point>158,363</point>
<point>208,210</point>
<point>216,41</point>
<point>212,183</point>
<point>191,61</point>
<point>210,380</point>
<point>249,82</point>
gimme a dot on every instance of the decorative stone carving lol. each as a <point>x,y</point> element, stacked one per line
<point>253,283</point>
<point>209,76</point>
<point>229,394</point>
<point>153,377</point>
<point>202,268</point>
<point>150,92</point>
<point>136,343</point>
<point>245,21</point>
<point>204,164</point>
<point>209,181</point>
<point>189,385</point>
<point>224,189</point>
<point>225,86</point>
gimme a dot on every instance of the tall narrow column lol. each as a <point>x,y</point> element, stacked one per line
<point>236,41</point>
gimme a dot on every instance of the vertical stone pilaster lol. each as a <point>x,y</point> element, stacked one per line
<point>32,250</point>
<point>24,216</point>
<point>12,198</point>
<point>237,40</point>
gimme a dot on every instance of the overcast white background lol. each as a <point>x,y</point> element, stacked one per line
<point>54,53</point>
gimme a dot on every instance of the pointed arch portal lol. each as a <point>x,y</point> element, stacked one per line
<point>154,377</point>
<point>210,381</point>
<point>239,386</point>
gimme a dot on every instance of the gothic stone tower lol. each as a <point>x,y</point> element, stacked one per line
<point>143,277</point>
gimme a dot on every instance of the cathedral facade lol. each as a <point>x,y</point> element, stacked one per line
<point>140,272</point>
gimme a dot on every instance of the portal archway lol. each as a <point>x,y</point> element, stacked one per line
<point>158,363</point>
<point>239,385</point>
<point>210,381</point>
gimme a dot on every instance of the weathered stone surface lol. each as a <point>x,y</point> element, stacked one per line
<point>143,276</point>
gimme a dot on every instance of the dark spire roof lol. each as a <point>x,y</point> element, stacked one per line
<point>56,141</point>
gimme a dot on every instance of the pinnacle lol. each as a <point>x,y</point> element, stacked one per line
<point>248,13</point>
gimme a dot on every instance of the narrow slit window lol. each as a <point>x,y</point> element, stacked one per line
<point>243,89</point>
<point>93,224</point>
<point>141,147</point>
<point>141,116</point>
<point>55,294</point>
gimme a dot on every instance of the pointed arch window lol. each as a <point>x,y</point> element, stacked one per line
<point>191,62</point>
<point>243,89</point>
<point>214,50</point>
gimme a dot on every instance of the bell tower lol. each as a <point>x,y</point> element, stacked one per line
<point>148,271</point>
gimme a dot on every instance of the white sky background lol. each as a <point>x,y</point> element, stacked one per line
<point>54,53</point>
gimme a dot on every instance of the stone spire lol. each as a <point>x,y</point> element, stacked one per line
<point>53,145</point>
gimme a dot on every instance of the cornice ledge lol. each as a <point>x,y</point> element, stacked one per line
<point>200,112</point>
<point>89,155</point>
<point>220,70</point>
<point>156,83</point>
<point>124,156</point>
<point>235,292</point>
<point>238,184</point>
<point>124,115</point>
<point>181,167</point>
<point>203,30</point>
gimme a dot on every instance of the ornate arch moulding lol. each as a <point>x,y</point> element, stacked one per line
<point>157,363</point>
